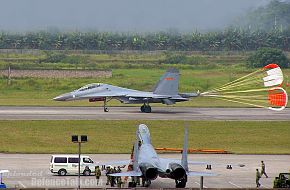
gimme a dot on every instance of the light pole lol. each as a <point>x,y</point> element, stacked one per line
<point>83,139</point>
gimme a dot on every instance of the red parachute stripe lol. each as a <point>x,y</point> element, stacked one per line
<point>277,99</point>
<point>271,66</point>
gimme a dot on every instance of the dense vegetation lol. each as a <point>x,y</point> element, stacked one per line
<point>230,39</point>
<point>266,26</point>
<point>265,56</point>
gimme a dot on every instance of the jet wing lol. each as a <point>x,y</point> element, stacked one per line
<point>125,94</point>
<point>191,173</point>
<point>104,94</point>
<point>116,163</point>
<point>129,173</point>
<point>146,95</point>
<point>166,160</point>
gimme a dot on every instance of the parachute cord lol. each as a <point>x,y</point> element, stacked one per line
<point>243,91</point>
<point>235,101</point>
<point>240,78</point>
<point>236,84</point>
<point>248,82</point>
<point>265,100</point>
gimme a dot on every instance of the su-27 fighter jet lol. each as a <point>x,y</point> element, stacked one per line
<point>149,166</point>
<point>166,92</point>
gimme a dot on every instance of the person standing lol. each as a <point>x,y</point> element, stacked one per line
<point>108,171</point>
<point>113,182</point>
<point>119,179</point>
<point>263,169</point>
<point>258,176</point>
<point>98,174</point>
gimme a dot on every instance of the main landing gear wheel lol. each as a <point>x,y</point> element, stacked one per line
<point>145,108</point>
<point>181,183</point>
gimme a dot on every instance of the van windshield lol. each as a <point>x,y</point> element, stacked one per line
<point>87,160</point>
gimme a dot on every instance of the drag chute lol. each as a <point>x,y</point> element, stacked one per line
<point>261,88</point>
<point>278,98</point>
<point>274,75</point>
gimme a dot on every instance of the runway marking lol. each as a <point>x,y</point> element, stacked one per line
<point>234,184</point>
<point>19,182</point>
<point>199,184</point>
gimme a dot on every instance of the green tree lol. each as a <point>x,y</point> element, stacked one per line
<point>265,56</point>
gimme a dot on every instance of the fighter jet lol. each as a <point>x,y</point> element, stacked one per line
<point>165,92</point>
<point>147,164</point>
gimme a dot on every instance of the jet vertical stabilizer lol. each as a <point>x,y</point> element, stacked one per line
<point>168,83</point>
<point>136,154</point>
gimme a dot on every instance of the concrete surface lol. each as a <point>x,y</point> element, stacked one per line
<point>32,170</point>
<point>131,113</point>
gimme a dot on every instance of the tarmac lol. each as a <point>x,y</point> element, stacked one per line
<point>32,171</point>
<point>132,113</point>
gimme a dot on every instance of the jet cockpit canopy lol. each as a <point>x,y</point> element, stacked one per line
<point>89,86</point>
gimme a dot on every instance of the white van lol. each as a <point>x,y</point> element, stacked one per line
<point>68,164</point>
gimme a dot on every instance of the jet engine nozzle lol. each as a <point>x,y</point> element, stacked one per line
<point>149,171</point>
<point>176,171</point>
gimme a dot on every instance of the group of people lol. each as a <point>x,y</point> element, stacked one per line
<point>260,174</point>
<point>111,180</point>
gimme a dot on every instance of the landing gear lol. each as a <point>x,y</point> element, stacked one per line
<point>145,108</point>
<point>181,183</point>
<point>106,109</point>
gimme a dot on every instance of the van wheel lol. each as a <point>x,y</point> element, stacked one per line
<point>87,172</point>
<point>62,172</point>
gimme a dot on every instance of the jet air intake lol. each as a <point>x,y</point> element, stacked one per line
<point>176,171</point>
<point>148,171</point>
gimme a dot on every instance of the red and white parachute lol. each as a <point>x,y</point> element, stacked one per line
<point>261,88</point>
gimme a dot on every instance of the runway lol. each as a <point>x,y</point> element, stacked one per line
<point>32,170</point>
<point>133,113</point>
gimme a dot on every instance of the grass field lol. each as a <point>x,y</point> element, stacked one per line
<point>245,137</point>
<point>136,70</point>
<point>39,92</point>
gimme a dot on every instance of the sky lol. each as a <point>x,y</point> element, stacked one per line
<point>121,15</point>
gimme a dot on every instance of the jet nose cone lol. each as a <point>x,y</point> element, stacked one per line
<point>63,97</point>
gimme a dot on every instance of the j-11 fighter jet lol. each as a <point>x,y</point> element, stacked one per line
<point>165,92</point>
<point>148,165</point>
